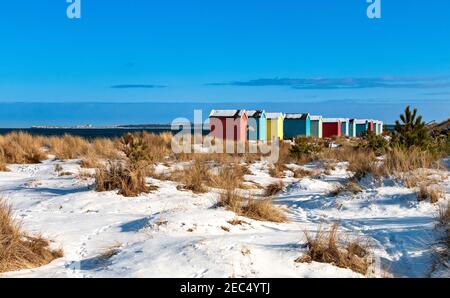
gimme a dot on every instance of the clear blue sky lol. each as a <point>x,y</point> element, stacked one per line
<point>225,51</point>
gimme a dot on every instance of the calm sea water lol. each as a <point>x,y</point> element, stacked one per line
<point>25,115</point>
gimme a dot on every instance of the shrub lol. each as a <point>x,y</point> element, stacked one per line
<point>145,147</point>
<point>306,149</point>
<point>18,250</point>
<point>376,143</point>
<point>411,131</point>
<point>128,180</point>
<point>327,247</point>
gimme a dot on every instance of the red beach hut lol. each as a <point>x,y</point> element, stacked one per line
<point>331,127</point>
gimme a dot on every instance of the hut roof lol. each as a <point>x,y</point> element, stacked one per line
<point>302,116</point>
<point>255,113</point>
<point>227,113</point>
<point>315,118</point>
<point>274,115</point>
<point>360,121</point>
<point>331,120</point>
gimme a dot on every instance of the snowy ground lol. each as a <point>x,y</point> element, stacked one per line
<point>172,233</point>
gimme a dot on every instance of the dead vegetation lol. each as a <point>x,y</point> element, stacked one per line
<point>129,181</point>
<point>20,148</point>
<point>329,247</point>
<point>432,192</point>
<point>274,188</point>
<point>442,247</point>
<point>19,250</point>
<point>258,209</point>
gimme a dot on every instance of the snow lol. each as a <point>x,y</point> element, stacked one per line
<point>174,233</point>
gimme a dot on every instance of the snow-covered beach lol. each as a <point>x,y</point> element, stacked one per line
<point>176,233</point>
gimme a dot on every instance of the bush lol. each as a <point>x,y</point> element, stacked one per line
<point>376,143</point>
<point>18,250</point>
<point>306,149</point>
<point>145,147</point>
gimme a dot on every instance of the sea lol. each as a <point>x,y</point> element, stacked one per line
<point>92,119</point>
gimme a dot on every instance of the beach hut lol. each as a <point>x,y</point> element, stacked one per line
<point>380,123</point>
<point>257,125</point>
<point>316,126</point>
<point>345,126</point>
<point>274,125</point>
<point>352,128</point>
<point>376,127</point>
<point>371,126</point>
<point>362,125</point>
<point>331,127</point>
<point>296,125</point>
<point>229,124</point>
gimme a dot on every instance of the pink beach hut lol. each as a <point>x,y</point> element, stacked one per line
<point>229,125</point>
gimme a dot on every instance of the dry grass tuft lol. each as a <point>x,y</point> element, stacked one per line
<point>301,173</point>
<point>18,250</point>
<point>274,188</point>
<point>3,167</point>
<point>20,148</point>
<point>327,247</point>
<point>258,209</point>
<point>194,178</point>
<point>399,160</point>
<point>432,192</point>
<point>128,180</point>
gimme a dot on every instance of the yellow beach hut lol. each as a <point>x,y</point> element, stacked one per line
<point>274,125</point>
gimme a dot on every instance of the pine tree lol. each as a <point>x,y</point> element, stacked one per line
<point>411,131</point>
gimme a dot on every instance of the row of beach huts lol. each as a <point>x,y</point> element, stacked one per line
<point>257,125</point>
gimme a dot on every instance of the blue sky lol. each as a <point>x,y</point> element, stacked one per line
<point>225,51</point>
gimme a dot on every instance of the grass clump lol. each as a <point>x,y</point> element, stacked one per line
<point>257,209</point>
<point>20,148</point>
<point>19,250</point>
<point>129,181</point>
<point>328,247</point>
<point>274,188</point>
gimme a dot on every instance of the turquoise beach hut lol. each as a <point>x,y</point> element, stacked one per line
<point>345,127</point>
<point>362,125</point>
<point>352,128</point>
<point>316,126</point>
<point>297,125</point>
<point>257,125</point>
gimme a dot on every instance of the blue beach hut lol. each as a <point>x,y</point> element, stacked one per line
<point>257,125</point>
<point>296,124</point>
